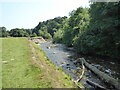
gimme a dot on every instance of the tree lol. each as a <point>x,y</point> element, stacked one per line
<point>20,32</point>
<point>76,24</point>
<point>45,34</point>
<point>34,35</point>
<point>52,25</point>
<point>58,36</point>
<point>3,32</point>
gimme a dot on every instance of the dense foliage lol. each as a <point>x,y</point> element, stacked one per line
<point>93,30</point>
<point>3,32</point>
<point>76,24</point>
<point>102,35</point>
<point>18,32</point>
<point>49,27</point>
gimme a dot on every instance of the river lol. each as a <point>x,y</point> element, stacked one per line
<point>64,57</point>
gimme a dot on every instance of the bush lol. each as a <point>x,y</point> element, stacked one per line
<point>58,36</point>
<point>45,34</point>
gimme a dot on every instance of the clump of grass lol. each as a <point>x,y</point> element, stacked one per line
<point>59,68</point>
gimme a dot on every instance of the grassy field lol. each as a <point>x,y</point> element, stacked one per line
<point>25,65</point>
<point>0,64</point>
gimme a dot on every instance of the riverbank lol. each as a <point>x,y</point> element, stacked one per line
<point>64,57</point>
<point>25,65</point>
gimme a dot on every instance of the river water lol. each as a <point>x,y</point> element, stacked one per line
<point>64,57</point>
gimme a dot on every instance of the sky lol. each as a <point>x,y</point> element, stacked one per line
<point>28,13</point>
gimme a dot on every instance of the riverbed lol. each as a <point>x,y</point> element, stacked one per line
<point>62,57</point>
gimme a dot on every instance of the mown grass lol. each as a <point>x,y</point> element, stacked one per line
<point>18,72</point>
<point>0,63</point>
<point>28,67</point>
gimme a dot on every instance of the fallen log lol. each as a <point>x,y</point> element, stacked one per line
<point>101,74</point>
<point>95,84</point>
<point>89,81</point>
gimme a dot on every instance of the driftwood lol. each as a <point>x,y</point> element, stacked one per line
<point>77,84</point>
<point>89,81</point>
<point>83,70</point>
<point>102,75</point>
<point>95,84</point>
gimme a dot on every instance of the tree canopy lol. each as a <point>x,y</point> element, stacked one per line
<point>93,30</point>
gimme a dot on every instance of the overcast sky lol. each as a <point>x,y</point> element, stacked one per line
<point>28,13</point>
